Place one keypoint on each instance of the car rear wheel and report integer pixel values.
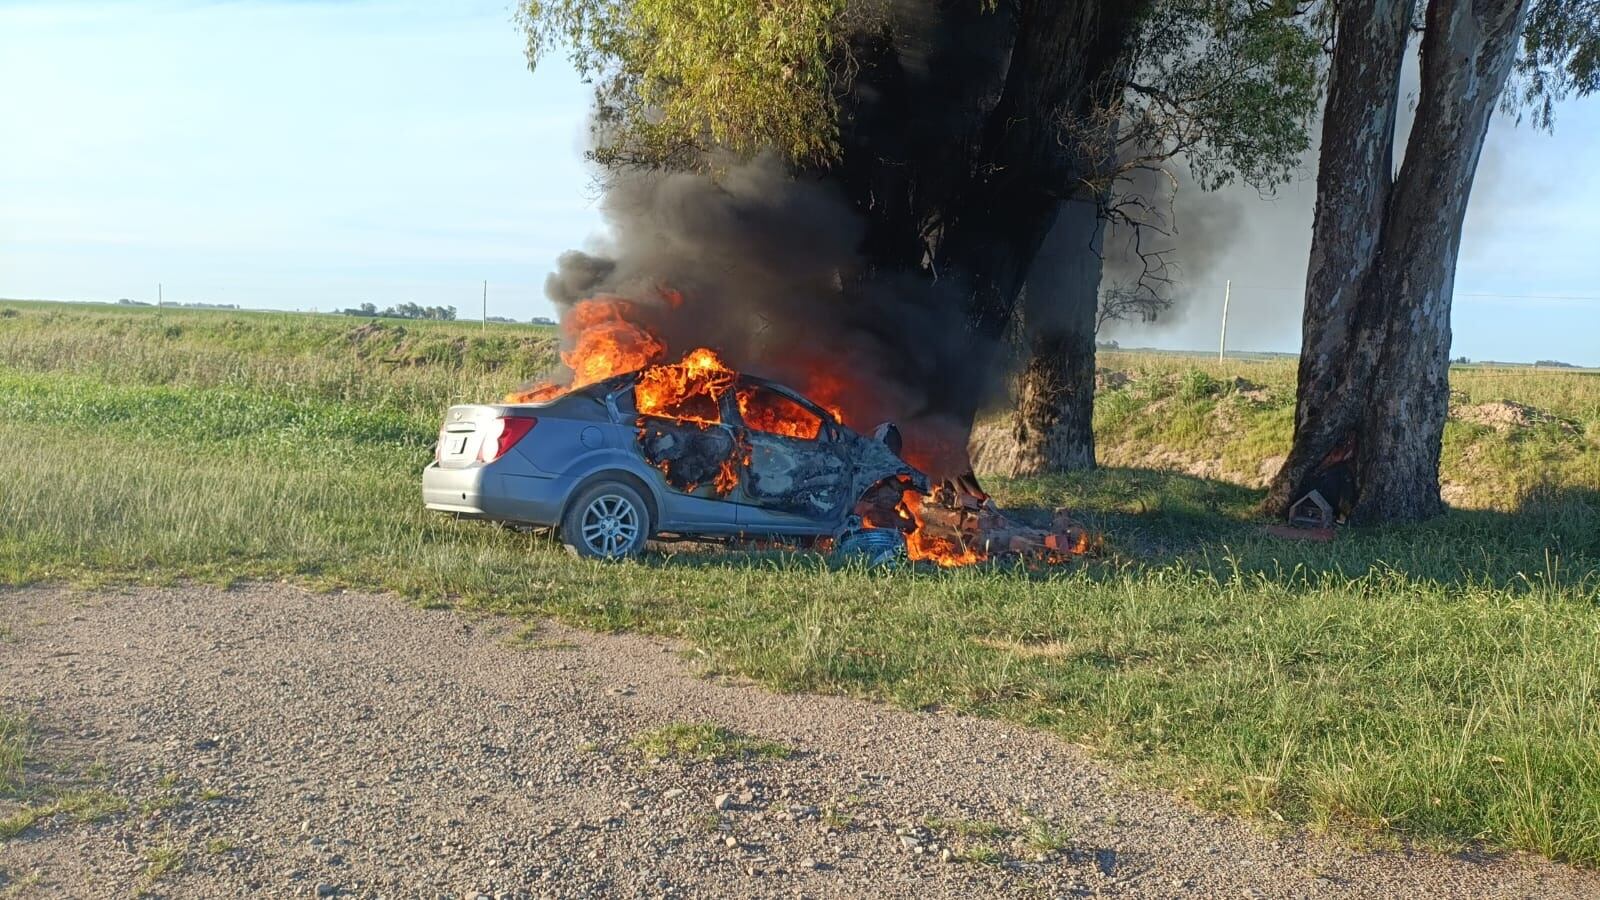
(608, 520)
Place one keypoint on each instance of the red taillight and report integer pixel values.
(502, 434)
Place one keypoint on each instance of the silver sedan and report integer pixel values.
(609, 479)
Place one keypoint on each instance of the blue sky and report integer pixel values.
(307, 155)
(285, 154)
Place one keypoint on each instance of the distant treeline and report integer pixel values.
(1538, 364)
(536, 320)
(126, 302)
(441, 313)
(405, 311)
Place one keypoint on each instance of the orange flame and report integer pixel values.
(920, 545)
(828, 390)
(689, 390)
(727, 476)
(605, 342)
(773, 413)
(539, 393)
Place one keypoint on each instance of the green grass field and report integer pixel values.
(1437, 682)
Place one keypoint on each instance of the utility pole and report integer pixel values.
(158, 296)
(1227, 292)
(486, 307)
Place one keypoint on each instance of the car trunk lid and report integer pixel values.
(465, 430)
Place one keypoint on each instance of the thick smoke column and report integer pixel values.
(769, 275)
(1259, 241)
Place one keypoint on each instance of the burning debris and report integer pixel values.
(782, 459)
(954, 526)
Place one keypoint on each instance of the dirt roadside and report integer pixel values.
(274, 742)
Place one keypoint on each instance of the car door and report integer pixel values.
(697, 462)
(796, 475)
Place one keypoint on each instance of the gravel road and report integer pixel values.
(273, 742)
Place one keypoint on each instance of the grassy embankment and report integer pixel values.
(1439, 681)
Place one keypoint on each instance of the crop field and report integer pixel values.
(1437, 683)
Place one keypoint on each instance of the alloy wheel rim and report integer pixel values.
(610, 525)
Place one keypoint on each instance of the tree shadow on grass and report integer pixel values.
(1551, 537)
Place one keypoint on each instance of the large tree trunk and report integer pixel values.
(1052, 429)
(1354, 178)
(1067, 61)
(1375, 359)
(965, 190)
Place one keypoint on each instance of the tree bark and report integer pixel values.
(1354, 177)
(1068, 59)
(958, 147)
(1467, 51)
(1374, 363)
(1052, 429)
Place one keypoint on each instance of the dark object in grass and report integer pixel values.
(877, 546)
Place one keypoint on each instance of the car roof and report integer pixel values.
(616, 382)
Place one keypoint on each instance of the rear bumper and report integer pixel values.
(483, 492)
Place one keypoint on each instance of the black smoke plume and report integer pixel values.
(770, 275)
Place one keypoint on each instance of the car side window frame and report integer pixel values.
(727, 407)
(611, 401)
(827, 431)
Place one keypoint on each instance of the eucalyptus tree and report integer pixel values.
(1374, 364)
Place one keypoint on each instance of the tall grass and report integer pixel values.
(413, 366)
(1436, 681)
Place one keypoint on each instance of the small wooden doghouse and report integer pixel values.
(1311, 511)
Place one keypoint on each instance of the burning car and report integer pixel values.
(686, 449)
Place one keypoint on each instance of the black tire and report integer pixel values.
(607, 520)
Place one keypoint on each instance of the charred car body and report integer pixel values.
(754, 459)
